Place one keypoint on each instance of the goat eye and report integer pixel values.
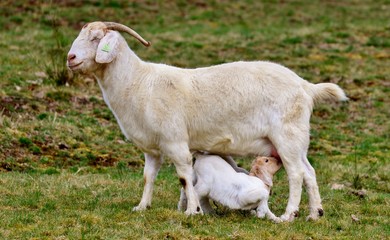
(94, 39)
(266, 160)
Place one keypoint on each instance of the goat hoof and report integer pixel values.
(296, 214)
(277, 220)
(140, 208)
(261, 213)
(312, 217)
(320, 212)
(315, 215)
(189, 212)
(288, 217)
(253, 212)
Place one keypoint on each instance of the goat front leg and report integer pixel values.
(152, 166)
(263, 210)
(181, 157)
(203, 200)
(202, 190)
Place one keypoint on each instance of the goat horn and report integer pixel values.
(123, 28)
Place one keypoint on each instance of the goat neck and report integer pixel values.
(265, 177)
(121, 70)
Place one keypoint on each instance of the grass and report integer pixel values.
(68, 173)
(84, 205)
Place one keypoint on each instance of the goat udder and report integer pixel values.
(274, 153)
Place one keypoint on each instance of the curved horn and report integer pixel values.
(123, 28)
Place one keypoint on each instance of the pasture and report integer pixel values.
(66, 171)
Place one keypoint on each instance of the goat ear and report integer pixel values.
(107, 48)
(260, 173)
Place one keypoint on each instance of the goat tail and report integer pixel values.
(325, 91)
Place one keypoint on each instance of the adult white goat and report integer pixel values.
(240, 108)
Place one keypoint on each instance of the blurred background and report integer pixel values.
(51, 118)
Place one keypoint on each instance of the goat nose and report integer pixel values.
(71, 56)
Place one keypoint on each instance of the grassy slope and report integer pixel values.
(63, 156)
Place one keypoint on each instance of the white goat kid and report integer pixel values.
(215, 179)
(241, 108)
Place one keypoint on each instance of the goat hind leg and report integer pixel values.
(311, 185)
(290, 153)
(295, 180)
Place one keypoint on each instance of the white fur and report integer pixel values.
(240, 108)
(216, 179)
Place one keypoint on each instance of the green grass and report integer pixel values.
(66, 171)
(87, 205)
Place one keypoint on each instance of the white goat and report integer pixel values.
(241, 108)
(215, 179)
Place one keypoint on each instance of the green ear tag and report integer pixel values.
(106, 48)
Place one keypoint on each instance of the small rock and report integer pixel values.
(63, 146)
(41, 74)
(360, 193)
(354, 218)
(337, 186)
(38, 81)
(40, 94)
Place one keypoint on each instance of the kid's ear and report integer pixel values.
(107, 48)
(260, 173)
